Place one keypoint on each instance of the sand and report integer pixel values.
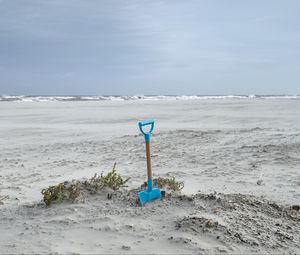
(239, 160)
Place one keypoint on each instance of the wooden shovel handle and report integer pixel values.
(149, 170)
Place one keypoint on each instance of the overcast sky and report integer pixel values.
(105, 47)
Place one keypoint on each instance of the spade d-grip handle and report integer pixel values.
(144, 123)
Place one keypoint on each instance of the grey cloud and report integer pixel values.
(149, 47)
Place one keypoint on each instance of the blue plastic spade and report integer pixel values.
(150, 193)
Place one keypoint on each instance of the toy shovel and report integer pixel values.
(150, 193)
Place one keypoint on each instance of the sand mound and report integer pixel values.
(206, 223)
(242, 220)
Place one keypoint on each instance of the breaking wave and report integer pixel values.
(6, 98)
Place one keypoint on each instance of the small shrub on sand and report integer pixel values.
(54, 194)
(57, 193)
(111, 180)
(73, 191)
(166, 183)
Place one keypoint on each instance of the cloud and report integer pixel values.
(140, 42)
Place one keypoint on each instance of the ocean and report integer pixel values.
(40, 98)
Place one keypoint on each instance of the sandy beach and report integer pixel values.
(238, 158)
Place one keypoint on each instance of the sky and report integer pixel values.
(149, 47)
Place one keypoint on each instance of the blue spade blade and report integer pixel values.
(147, 196)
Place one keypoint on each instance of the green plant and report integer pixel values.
(111, 180)
(57, 193)
(74, 191)
(167, 183)
(54, 193)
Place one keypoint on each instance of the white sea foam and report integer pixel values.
(22, 98)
